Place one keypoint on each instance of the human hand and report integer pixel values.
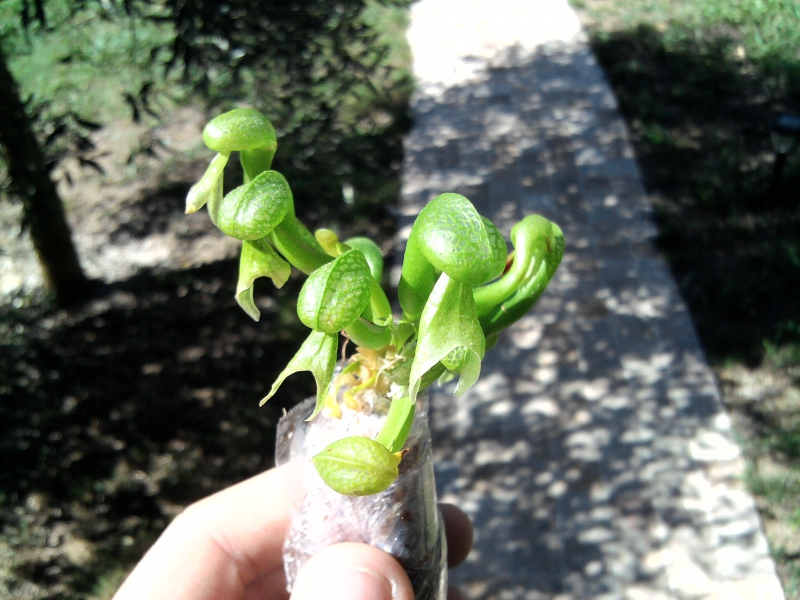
(229, 546)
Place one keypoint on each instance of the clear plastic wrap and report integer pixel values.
(403, 520)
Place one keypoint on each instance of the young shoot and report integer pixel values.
(459, 288)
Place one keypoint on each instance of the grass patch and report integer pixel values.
(698, 81)
(87, 62)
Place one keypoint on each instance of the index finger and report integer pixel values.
(458, 529)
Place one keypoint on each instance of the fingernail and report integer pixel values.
(346, 583)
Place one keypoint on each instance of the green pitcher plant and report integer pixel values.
(459, 287)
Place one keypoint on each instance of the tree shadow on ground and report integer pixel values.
(699, 120)
(155, 212)
(118, 414)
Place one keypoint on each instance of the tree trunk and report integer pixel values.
(43, 211)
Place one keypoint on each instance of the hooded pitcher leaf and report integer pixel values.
(448, 323)
(449, 236)
(371, 252)
(458, 241)
(336, 294)
(253, 210)
(240, 129)
(534, 282)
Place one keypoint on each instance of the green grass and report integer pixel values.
(778, 492)
(767, 27)
(84, 63)
(698, 81)
(764, 31)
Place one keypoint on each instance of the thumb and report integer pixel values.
(351, 571)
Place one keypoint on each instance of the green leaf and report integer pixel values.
(298, 246)
(400, 373)
(368, 335)
(318, 355)
(417, 279)
(371, 252)
(253, 210)
(449, 322)
(297, 230)
(258, 259)
(214, 202)
(357, 466)
(395, 430)
(239, 129)
(203, 191)
(329, 240)
(336, 294)
(403, 332)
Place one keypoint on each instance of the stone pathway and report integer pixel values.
(594, 456)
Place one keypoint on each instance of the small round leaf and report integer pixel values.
(357, 466)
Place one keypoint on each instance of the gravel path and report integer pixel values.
(594, 456)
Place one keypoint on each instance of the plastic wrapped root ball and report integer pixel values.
(403, 520)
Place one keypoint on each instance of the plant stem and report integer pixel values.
(527, 294)
(255, 162)
(369, 335)
(488, 296)
(395, 430)
(290, 243)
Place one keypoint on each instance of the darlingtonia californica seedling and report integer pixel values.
(459, 288)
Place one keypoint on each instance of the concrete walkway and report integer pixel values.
(594, 456)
